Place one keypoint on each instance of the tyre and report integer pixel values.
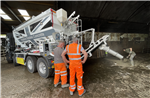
(31, 64)
(9, 59)
(42, 68)
(14, 60)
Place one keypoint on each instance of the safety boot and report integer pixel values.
(82, 93)
(71, 93)
(65, 85)
(57, 84)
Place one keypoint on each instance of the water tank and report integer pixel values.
(61, 15)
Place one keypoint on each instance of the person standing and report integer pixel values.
(131, 54)
(75, 65)
(60, 66)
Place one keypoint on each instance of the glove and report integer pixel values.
(127, 57)
(67, 66)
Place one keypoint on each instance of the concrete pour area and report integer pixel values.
(103, 78)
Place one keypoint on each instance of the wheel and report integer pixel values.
(9, 59)
(42, 68)
(31, 64)
(14, 60)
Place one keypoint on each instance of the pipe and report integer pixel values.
(71, 15)
(75, 19)
(107, 49)
(7, 6)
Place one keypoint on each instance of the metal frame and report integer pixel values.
(69, 28)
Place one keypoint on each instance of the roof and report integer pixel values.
(104, 16)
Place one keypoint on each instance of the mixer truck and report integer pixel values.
(36, 39)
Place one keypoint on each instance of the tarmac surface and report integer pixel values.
(106, 77)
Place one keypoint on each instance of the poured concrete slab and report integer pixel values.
(103, 78)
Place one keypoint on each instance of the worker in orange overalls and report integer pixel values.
(75, 65)
(60, 66)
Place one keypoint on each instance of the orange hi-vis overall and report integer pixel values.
(75, 67)
(60, 69)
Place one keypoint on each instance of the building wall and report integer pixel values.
(118, 41)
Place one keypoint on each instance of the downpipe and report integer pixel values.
(107, 49)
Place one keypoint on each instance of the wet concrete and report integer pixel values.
(103, 78)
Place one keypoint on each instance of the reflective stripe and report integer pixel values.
(57, 73)
(64, 75)
(73, 53)
(78, 49)
(72, 85)
(79, 86)
(73, 88)
(75, 58)
(57, 70)
(63, 71)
